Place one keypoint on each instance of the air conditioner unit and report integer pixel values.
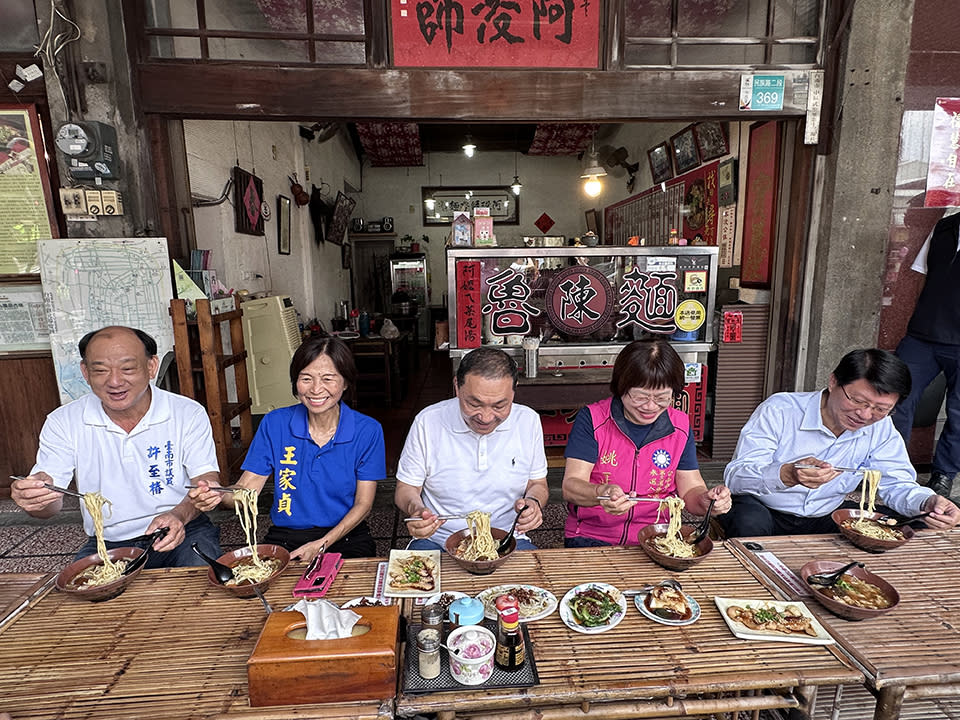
(271, 337)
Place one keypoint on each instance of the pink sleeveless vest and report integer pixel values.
(650, 471)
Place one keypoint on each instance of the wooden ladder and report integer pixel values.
(201, 368)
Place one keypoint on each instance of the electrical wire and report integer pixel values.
(52, 45)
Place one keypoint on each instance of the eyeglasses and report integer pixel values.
(663, 400)
(876, 410)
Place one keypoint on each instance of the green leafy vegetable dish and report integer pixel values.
(593, 607)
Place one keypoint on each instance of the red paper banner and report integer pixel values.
(700, 196)
(732, 326)
(469, 317)
(760, 205)
(496, 33)
(943, 176)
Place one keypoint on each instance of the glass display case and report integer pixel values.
(409, 290)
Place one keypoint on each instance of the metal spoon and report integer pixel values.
(704, 526)
(831, 578)
(893, 522)
(266, 605)
(505, 543)
(670, 582)
(142, 560)
(221, 572)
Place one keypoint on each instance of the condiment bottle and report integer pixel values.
(431, 616)
(674, 238)
(428, 653)
(506, 601)
(511, 651)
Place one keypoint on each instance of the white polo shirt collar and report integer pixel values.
(95, 415)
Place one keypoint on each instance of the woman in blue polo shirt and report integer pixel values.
(325, 459)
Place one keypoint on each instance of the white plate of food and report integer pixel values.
(413, 573)
(668, 606)
(772, 620)
(593, 607)
(535, 602)
(445, 599)
(365, 601)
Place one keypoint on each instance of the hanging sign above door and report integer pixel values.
(452, 33)
(762, 92)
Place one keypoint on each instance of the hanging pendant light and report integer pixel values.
(515, 185)
(592, 174)
(429, 202)
(469, 147)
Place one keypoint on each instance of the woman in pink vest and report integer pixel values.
(633, 444)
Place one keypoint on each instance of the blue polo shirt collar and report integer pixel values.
(346, 426)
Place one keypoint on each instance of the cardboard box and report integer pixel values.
(283, 670)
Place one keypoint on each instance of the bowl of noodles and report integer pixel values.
(862, 529)
(475, 547)
(89, 578)
(251, 571)
(858, 595)
(673, 553)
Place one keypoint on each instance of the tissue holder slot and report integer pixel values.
(286, 671)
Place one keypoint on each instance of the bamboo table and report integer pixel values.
(19, 590)
(639, 669)
(911, 652)
(171, 646)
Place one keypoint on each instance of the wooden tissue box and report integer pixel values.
(284, 670)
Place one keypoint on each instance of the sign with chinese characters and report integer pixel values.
(496, 33)
(732, 331)
(761, 92)
(469, 317)
(693, 401)
(508, 304)
(943, 176)
(579, 300)
(649, 299)
(690, 315)
(695, 281)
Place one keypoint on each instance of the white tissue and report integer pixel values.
(325, 621)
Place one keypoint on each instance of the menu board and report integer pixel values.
(26, 209)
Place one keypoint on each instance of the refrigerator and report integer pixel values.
(408, 279)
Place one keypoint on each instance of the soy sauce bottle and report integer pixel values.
(511, 651)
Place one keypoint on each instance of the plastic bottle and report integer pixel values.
(364, 323)
(511, 650)
(355, 320)
(674, 238)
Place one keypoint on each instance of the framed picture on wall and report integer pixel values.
(283, 225)
(661, 166)
(685, 154)
(342, 210)
(247, 201)
(711, 140)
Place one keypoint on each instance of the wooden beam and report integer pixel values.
(235, 90)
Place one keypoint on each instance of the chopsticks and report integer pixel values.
(802, 466)
(439, 517)
(215, 488)
(48, 486)
(635, 499)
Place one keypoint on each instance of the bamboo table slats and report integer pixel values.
(171, 646)
(911, 652)
(19, 590)
(639, 668)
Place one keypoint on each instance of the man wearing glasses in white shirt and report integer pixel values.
(845, 425)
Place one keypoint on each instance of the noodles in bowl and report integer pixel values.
(857, 596)
(462, 539)
(861, 528)
(672, 543)
(254, 566)
(650, 533)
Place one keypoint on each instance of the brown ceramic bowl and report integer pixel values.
(863, 542)
(650, 532)
(480, 567)
(232, 559)
(96, 593)
(849, 612)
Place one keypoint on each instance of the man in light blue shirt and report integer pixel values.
(845, 425)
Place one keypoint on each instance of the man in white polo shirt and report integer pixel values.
(137, 445)
(477, 451)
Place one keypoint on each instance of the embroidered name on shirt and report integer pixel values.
(154, 477)
(609, 459)
(285, 480)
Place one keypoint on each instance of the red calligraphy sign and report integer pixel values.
(496, 33)
(943, 175)
(760, 204)
(469, 317)
(732, 326)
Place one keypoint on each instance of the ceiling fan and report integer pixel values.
(615, 162)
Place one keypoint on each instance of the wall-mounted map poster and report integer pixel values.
(26, 207)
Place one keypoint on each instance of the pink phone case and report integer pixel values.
(316, 580)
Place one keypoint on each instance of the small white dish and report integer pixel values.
(566, 614)
(641, 602)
